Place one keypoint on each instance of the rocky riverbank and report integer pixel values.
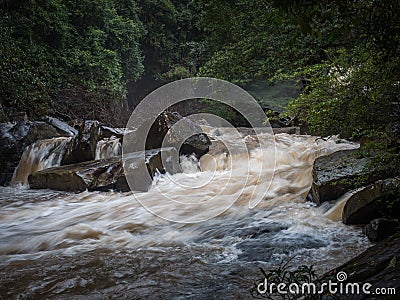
(367, 202)
(378, 266)
(90, 158)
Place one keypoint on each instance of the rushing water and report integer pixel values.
(108, 148)
(39, 156)
(58, 245)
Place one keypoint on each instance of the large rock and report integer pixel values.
(62, 128)
(107, 132)
(378, 266)
(14, 138)
(374, 201)
(106, 174)
(380, 229)
(83, 146)
(336, 174)
(187, 136)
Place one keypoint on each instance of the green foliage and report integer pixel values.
(343, 53)
(252, 40)
(22, 73)
(283, 274)
(173, 44)
(49, 46)
(343, 95)
(226, 112)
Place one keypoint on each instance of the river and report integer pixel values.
(106, 245)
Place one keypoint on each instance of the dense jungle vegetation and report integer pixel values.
(84, 59)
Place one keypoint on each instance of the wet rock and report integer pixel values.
(379, 266)
(105, 174)
(62, 128)
(83, 146)
(336, 174)
(380, 229)
(30, 132)
(14, 137)
(246, 131)
(187, 136)
(107, 132)
(288, 130)
(372, 202)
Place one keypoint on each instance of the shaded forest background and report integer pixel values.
(90, 58)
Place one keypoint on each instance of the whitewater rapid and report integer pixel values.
(141, 254)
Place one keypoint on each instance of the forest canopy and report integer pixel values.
(84, 59)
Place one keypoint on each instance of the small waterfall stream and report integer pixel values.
(108, 148)
(41, 155)
(48, 153)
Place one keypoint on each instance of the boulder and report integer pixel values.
(378, 266)
(62, 128)
(380, 229)
(83, 146)
(107, 132)
(29, 132)
(373, 201)
(106, 174)
(336, 174)
(14, 138)
(187, 136)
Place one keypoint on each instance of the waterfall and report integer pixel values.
(39, 156)
(335, 212)
(48, 153)
(108, 148)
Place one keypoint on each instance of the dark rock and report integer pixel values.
(379, 266)
(196, 144)
(105, 174)
(380, 229)
(186, 136)
(335, 174)
(107, 132)
(288, 130)
(83, 146)
(62, 128)
(14, 138)
(369, 203)
(38, 131)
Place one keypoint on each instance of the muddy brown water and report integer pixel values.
(57, 245)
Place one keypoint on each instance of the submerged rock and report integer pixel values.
(335, 174)
(106, 174)
(372, 202)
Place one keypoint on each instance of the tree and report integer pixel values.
(59, 53)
